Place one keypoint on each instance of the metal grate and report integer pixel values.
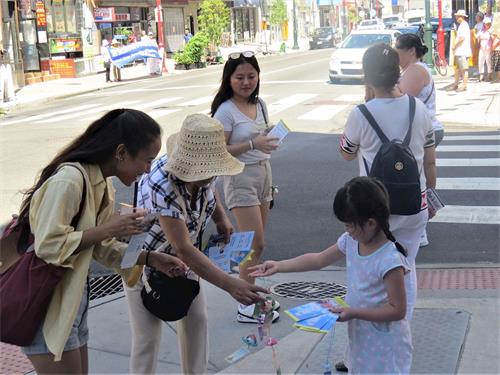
(106, 285)
(308, 290)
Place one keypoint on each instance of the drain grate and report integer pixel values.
(106, 285)
(308, 290)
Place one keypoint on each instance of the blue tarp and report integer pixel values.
(329, 2)
(135, 51)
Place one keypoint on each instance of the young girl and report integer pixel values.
(379, 333)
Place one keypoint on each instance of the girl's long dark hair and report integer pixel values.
(364, 198)
(225, 91)
(130, 127)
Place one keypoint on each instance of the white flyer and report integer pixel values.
(136, 243)
(280, 131)
(433, 200)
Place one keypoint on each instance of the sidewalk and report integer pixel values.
(455, 328)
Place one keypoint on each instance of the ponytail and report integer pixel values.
(391, 238)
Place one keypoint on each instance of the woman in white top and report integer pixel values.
(244, 116)
(390, 109)
(416, 78)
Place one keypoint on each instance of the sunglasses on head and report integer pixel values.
(237, 55)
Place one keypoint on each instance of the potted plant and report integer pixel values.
(194, 52)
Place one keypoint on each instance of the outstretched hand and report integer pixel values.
(245, 292)
(345, 313)
(168, 264)
(268, 268)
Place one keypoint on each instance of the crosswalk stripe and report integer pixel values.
(489, 162)
(468, 215)
(355, 98)
(80, 114)
(468, 148)
(195, 102)
(322, 112)
(51, 114)
(470, 183)
(287, 102)
(157, 113)
(154, 103)
(490, 137)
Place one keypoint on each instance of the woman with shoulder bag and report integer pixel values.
(122, 143)
(245, 119)
(180, 189)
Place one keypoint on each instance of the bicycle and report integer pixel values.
(441, 64)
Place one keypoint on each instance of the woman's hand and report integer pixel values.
(345, 313)
(123, 225)
(224, 227)
(265, 144)
(268, 268)
(245, 292)
(167, 264)
(432, 212)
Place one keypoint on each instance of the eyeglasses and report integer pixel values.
(237, 55)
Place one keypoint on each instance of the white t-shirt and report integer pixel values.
(392, 115)
(463, 49)
(243, 128)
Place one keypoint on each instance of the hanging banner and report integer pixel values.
(144, 49)
(41, 16)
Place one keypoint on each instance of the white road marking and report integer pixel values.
(491, 162)
(468, 215)
(493, 137)
(51, 114)
(355, 98)
(468, 183)
(155, 103)
(81, 114)
(322, 112)
(198, 101)
(157, 113)
(468, 148)
(288, 102)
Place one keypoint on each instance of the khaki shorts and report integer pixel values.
(252, 187)
(462, 62)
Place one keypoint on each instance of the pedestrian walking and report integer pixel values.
(484, 42)
(117, 73)
(495, 55)
(122, 143)
(187, 36)
(106, 57)
(378, 331)
(389, 108)
(462, 50)
(245, 119)
(181, 189)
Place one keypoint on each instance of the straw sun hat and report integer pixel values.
(198, 151)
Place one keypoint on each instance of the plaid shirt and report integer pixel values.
(157, 194)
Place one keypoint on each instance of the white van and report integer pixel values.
(373, 24)
(393, 20)
(415, 17)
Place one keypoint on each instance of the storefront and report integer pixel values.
(245, 14)
(124, 24)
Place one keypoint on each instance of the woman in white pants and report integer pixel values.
(180, 188)
(484, 40)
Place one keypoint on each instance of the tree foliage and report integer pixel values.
(278, 14)
(213, 20)
(194, 50)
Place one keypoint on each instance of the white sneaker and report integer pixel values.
(245, 314)
(423, 239)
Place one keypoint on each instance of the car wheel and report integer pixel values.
(334, 80)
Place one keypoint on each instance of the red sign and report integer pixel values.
(41, 16)
(104, 14)
(122, 17)
(65, 68)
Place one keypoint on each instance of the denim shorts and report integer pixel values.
(78, 337)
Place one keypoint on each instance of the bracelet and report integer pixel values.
(147, 258)
(250, 142)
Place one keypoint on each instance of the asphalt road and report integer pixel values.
(307, 168)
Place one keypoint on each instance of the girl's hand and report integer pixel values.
(123, 225)
(225, 227)
(432, 212)
(345, 313)
(167, 264)
(265, 144)
(268, 268)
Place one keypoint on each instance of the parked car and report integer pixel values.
(373, 24)
(408, 30)
(324, 37)
(345, 62)
(393, 21)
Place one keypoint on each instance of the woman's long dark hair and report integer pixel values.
(225, 91)
(408, 41)
(130, 127)
(381, 66)
(364, 198)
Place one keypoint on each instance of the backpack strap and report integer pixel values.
(407, 139)
(263, 112)
(373, 123)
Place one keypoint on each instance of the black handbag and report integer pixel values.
(169, 298)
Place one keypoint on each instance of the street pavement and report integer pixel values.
(458, 272)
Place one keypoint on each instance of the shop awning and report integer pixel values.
(246, 3)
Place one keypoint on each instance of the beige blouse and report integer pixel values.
(52, 209)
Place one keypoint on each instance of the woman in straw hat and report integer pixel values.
(180, 187)
(248, 195)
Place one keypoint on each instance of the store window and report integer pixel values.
(61, 16)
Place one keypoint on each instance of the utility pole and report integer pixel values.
(295, 30)
(161, 36)
(428, 35)
(440, 31)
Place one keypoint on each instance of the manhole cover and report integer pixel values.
(308, 290)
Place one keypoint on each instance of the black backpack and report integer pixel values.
(395, 166)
